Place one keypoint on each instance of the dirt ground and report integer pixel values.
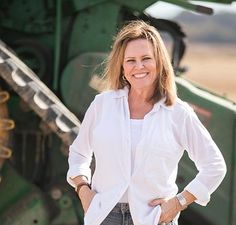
(213, 67)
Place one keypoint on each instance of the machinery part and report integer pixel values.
(5, 153)
(5, 126)
(36, 56)
(29, 205)
(80, 71)
(191, 6)
(40, 98)
(35, 20)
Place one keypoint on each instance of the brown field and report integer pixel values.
(213, 67)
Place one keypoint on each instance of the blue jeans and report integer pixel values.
(120, 215)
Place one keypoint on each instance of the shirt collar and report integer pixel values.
(125, 91)
(161, 103)
(121, 92)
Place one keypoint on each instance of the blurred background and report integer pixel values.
(211, 54)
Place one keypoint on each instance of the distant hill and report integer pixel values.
(219, 28)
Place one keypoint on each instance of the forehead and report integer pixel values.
(139, 47)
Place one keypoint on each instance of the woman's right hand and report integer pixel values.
(86, 196)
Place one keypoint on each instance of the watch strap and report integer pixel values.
(78, 187)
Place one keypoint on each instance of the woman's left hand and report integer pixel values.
(169, 208)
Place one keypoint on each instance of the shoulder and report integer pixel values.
(107, 97)
(182, 105)
(106, 94)
(111, 94)
(182, 108)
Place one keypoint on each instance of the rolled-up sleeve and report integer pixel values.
(207, 157)
(80, 151)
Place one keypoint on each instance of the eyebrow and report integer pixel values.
(131, 57)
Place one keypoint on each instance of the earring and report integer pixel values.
(124, 78)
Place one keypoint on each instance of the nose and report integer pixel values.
(139, 64)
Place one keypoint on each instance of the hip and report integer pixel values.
(120, 215)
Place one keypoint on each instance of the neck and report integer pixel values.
(140, 95)
(139, 103)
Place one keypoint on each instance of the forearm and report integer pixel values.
(81, 185)
(84, 192)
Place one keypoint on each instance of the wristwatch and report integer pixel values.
(182, 200)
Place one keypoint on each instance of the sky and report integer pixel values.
(167, 11)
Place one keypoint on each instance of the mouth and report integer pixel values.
(140, 75)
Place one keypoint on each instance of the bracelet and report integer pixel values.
(80, 185)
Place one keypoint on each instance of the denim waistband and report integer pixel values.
(124, 208)
(121, 207)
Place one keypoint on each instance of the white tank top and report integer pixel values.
(136, 131)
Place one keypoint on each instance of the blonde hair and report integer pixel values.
(165, 85)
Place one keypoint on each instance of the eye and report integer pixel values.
(130, 60)
(146, 58)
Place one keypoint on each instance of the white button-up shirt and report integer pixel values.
(167, 132)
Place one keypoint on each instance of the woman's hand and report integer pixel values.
(169, 208)
(86, 196)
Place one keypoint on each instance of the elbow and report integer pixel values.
(221, 167)
(224, 170)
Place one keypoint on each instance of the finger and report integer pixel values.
(155, 202)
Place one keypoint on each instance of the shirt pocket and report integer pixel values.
(160, 167)
(162, 159)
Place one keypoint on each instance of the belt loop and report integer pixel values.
(124, 207)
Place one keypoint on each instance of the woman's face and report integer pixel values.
(139, 65)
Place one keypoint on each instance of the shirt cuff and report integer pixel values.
(75, 171)
(200, 191)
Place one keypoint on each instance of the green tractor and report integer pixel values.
(65, 43)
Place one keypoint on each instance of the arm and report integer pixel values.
(207, 157)
(84, 192)
(80, 157)
(209, 161)
(80, 151)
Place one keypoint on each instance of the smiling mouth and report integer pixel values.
(140, 75)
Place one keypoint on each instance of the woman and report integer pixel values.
(138, 132)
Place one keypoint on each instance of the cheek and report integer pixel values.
(127, 69)
(154, 72)
(152, 66)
